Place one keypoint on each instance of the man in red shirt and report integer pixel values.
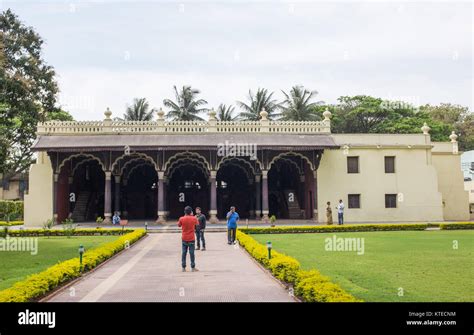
(188, 222)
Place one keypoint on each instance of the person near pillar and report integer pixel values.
(200, 230)
(232, 219)
(188, 224)
(329, 213)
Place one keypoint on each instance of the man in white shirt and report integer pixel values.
(340, 212)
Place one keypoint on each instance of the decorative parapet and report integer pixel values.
(109, 126)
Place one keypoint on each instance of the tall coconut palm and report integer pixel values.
(187, 106)
(261, 100)
(225, 113)
(297, 105)
(138, 111)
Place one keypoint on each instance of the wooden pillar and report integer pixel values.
(161, 208)
(265, 207)
(258, 196)
(108, 198)
(315, 195)
(55, 198)
(213, 204)
(117, 194)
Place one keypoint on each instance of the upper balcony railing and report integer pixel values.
(109, 126)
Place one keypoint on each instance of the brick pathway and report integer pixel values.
(151, 271)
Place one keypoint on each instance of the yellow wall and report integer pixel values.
(39, 200)
(451, 182)
(415, 178)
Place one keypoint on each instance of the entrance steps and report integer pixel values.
(294, 210)
(80, 209)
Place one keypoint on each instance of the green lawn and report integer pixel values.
(16, 265)
(422, 263)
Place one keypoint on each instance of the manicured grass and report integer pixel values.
(423, 263)
(17, 265)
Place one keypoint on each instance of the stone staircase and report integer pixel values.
(80, 209)
(294, 209)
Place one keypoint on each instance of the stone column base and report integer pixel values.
(315, 215)
(265, 218)
(55, 219)
(213, 217)
(161, 217)
(107, 218)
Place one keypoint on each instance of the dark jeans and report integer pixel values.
(340, 218)
(186, 246)
(200, 238)
(231, 234)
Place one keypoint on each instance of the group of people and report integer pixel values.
(192, 235)
(340, 213)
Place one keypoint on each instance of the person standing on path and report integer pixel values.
(340, 212)
(200, 230)
(188, 224)
(329, 213)
(232, 219)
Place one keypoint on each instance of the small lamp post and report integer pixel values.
(81, 252)
(269, 247)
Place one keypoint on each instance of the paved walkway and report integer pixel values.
(151, 271)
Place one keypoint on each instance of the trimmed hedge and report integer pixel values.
(456, 225)
(11, 223)
(336, 228)
(61, 232)
(310, 286)
(39, 284)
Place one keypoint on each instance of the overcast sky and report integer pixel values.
(108, 52)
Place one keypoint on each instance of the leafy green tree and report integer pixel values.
(258, 101)
(27, 87)
(297, 105)
(226, 113)
(139, 111)
(459, 118)
(186, 105)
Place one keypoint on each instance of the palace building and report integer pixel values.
(152, 170)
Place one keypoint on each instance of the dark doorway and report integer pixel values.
(234, 189)
(142, 193)
(188, 186)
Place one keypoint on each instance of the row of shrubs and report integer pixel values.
(357, 228)
(456, 225)
(37, 285)
(11, 210)
(63, 232)
(335, 228)
(310, 286)
(11, 223)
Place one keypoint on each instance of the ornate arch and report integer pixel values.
(249, 172)
(290, 153)
(181, 161)
(90, 156)
(246, 162)
(291, 162)
(133, 155)
(187, 154)
(181, 164)
(137, 159)
(132, 169)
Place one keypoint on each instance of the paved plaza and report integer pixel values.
(150, 271)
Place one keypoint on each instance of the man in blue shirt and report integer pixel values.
(232, 219)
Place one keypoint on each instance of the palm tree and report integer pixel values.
(225, 113)
(297, 105)
(261, 100)
(139, 111)
(187, 106)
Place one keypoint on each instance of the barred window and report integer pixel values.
(390, 201)
(354, 200)
(353, 164)
(389, 164)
